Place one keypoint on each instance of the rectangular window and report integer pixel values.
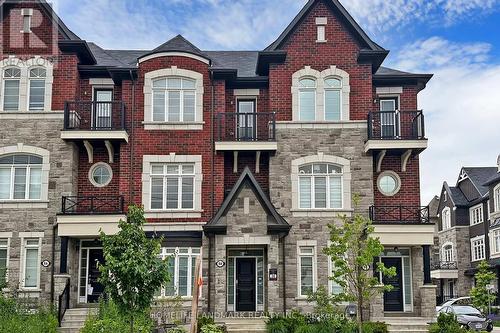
(320, 192)
(31, 265)
(174, 99)
(476, 214)
(496, 241)
(20, 182)
(332, 105)
(477, 248)
(11, 95)
(182, 262)
(307, 107)
(321, 33)
(307, 262)
(4, 251)
(172, 186)
(37, 94)
(446, 218)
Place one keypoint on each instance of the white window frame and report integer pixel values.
(478, 242)
(166, 95)
(2, 92)
(25, 236)
(309, 89)
(496, 197)
(25, 66)
(30, 79)
(331, 72)
(476, 214)
(165, 253)
(6, 236)
(28, 167)
(346, 186)
(306, 244)
(494, 234)
(173, 71)
(448, 255)
(27, 14)
(179, 176)
(339, 89)
(148, 160)
(446, 218)
(29, 203)
(313, 176)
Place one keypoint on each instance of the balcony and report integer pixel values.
(245, 131)
(90, 120)
(399, 131)
(402, 225)
(85, 216)
(444, 270)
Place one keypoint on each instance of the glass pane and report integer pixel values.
(38, 72)
(83, 273)
(7, 160)
(333, 83)
(21, 159)
(158, 106)
(307, 102)
(3, 265)
(305, 169)
(306, 275)
(170, 285)
(188, 84)
(187, 192)
(174, 106)
(188, 169)
(193, 276)
(37, 94)
(332, 105)
(20, 183)
(334, 169)
(183, 276)
(172, 169)
(172, 193)
(35, 183)
(11, 95)
(189, 106)
(407, 279)
(156, 193)
(101, 175)
(307, 83)
(320, 168)
(5, 183)
(157, 169)
(387, 184)
(161, 83)
(260, 281)
(174, 83)
(35, 160)
(387, 105)
(320, 192)
(230, 280)
(305, 192)
(31, 268)
(335, 192)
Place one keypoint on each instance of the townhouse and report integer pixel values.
(466, 231)
(241, 157)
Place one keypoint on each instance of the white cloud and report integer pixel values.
(461, 108)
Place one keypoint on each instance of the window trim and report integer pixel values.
(24, 84)
(472, 247)
(394, 175)
(91, 174)
(24, 237)
(146, 186)
(29, 203)
(492, 235)
(179, 177)
(443, 255)
(300, 244)
(496, 198)
(346, 186)
(166, 94)
(149, 77)
(448, 225)
(326, 89)
(6, 236)
(481, 214)
(308, 72)
(30, 79)
(327, 176)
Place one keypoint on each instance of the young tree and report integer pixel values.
(132, 270)
(481, 297)
(353, 251)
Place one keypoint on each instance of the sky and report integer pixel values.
(456, 40)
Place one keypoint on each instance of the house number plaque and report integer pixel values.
(220, 263)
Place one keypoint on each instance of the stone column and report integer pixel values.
(428, 300)
(60, 281)
(377, 305)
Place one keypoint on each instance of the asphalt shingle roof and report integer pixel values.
(479, 176)
(458, 197)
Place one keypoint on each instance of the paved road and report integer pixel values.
(496, 330)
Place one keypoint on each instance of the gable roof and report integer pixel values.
(178, 44)
(455, 194)
(342, 13)
(276, 223)
(479, 176)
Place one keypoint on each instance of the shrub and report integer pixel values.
(285, 324)
(212, 328)
(446, 323)
(204, 320)
(375, 327)
(109, 319)
(15, 318)
(178, 329)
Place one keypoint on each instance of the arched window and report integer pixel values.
(37, 78)
(307, 99)
(320, 186)
(11, 84)
(333, 99)
(446, 218)
(174, 99)
(447, 253)
(21, 177)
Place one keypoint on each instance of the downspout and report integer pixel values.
(283, 273)
(132, 124)
(212, 197)
(52, 284)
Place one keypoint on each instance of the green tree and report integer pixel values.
(353, 251)
(481, 297)
(133, 270)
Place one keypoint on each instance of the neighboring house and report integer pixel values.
(463, 231)
(242, 157)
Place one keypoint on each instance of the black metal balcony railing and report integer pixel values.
(259, 126)
(444, 265)
(81, 205)
(396, 125)
(400, 214)
(94, 116)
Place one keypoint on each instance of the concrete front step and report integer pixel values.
(244, 325)
(74, 319)
(407, 324)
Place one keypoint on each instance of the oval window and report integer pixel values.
(388, 183)
(100, 174)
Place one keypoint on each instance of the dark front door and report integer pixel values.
(94, 288)
(245, 284)
(393, 300)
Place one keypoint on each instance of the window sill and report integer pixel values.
(24, 204)
(188, 125)
(321, 212)
(152, 214)
(30, 290)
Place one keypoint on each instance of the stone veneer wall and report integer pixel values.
(42, 133)
(294, 143)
